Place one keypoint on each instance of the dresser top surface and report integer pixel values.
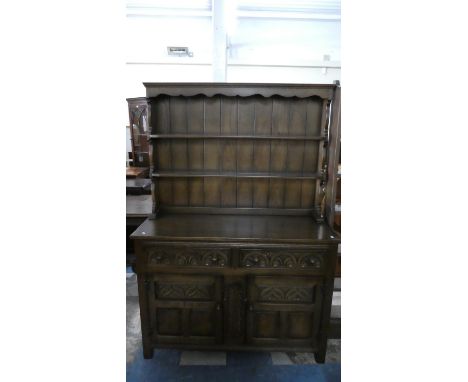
(251, 228)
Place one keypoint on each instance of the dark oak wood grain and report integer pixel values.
(188, 227)
(210, 89)
(255, 137)
(238, 253)
(333, 157)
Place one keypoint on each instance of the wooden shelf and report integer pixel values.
(216, 136)
(233, 174)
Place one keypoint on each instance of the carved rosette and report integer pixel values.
(276, 259)
(189, 257)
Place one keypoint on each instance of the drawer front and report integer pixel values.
(304, 259)
(185, 256)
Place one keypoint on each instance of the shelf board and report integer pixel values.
(217, 136)
(233, 174)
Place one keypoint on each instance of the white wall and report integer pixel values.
(282, 74)
(267, 42)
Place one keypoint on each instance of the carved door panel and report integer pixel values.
(283, 311)
(185, 309)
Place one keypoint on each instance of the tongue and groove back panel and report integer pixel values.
(239, 152)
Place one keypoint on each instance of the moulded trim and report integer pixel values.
(324, 91)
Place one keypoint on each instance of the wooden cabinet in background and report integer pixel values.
(139, 131)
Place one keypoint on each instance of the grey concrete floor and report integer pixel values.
(134, 335)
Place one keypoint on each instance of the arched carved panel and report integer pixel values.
(194, 257)
(281, 259)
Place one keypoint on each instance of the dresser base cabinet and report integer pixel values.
(243, 294)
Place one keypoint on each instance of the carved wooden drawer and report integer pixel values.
(186, 256)
(284, 258)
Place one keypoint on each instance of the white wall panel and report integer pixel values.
(281, 74)
(285, 40)
(147, 38)
(137, 74)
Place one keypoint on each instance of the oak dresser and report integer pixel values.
(238, 253)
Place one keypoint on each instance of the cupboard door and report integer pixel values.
(185, 309)
(283, 311)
